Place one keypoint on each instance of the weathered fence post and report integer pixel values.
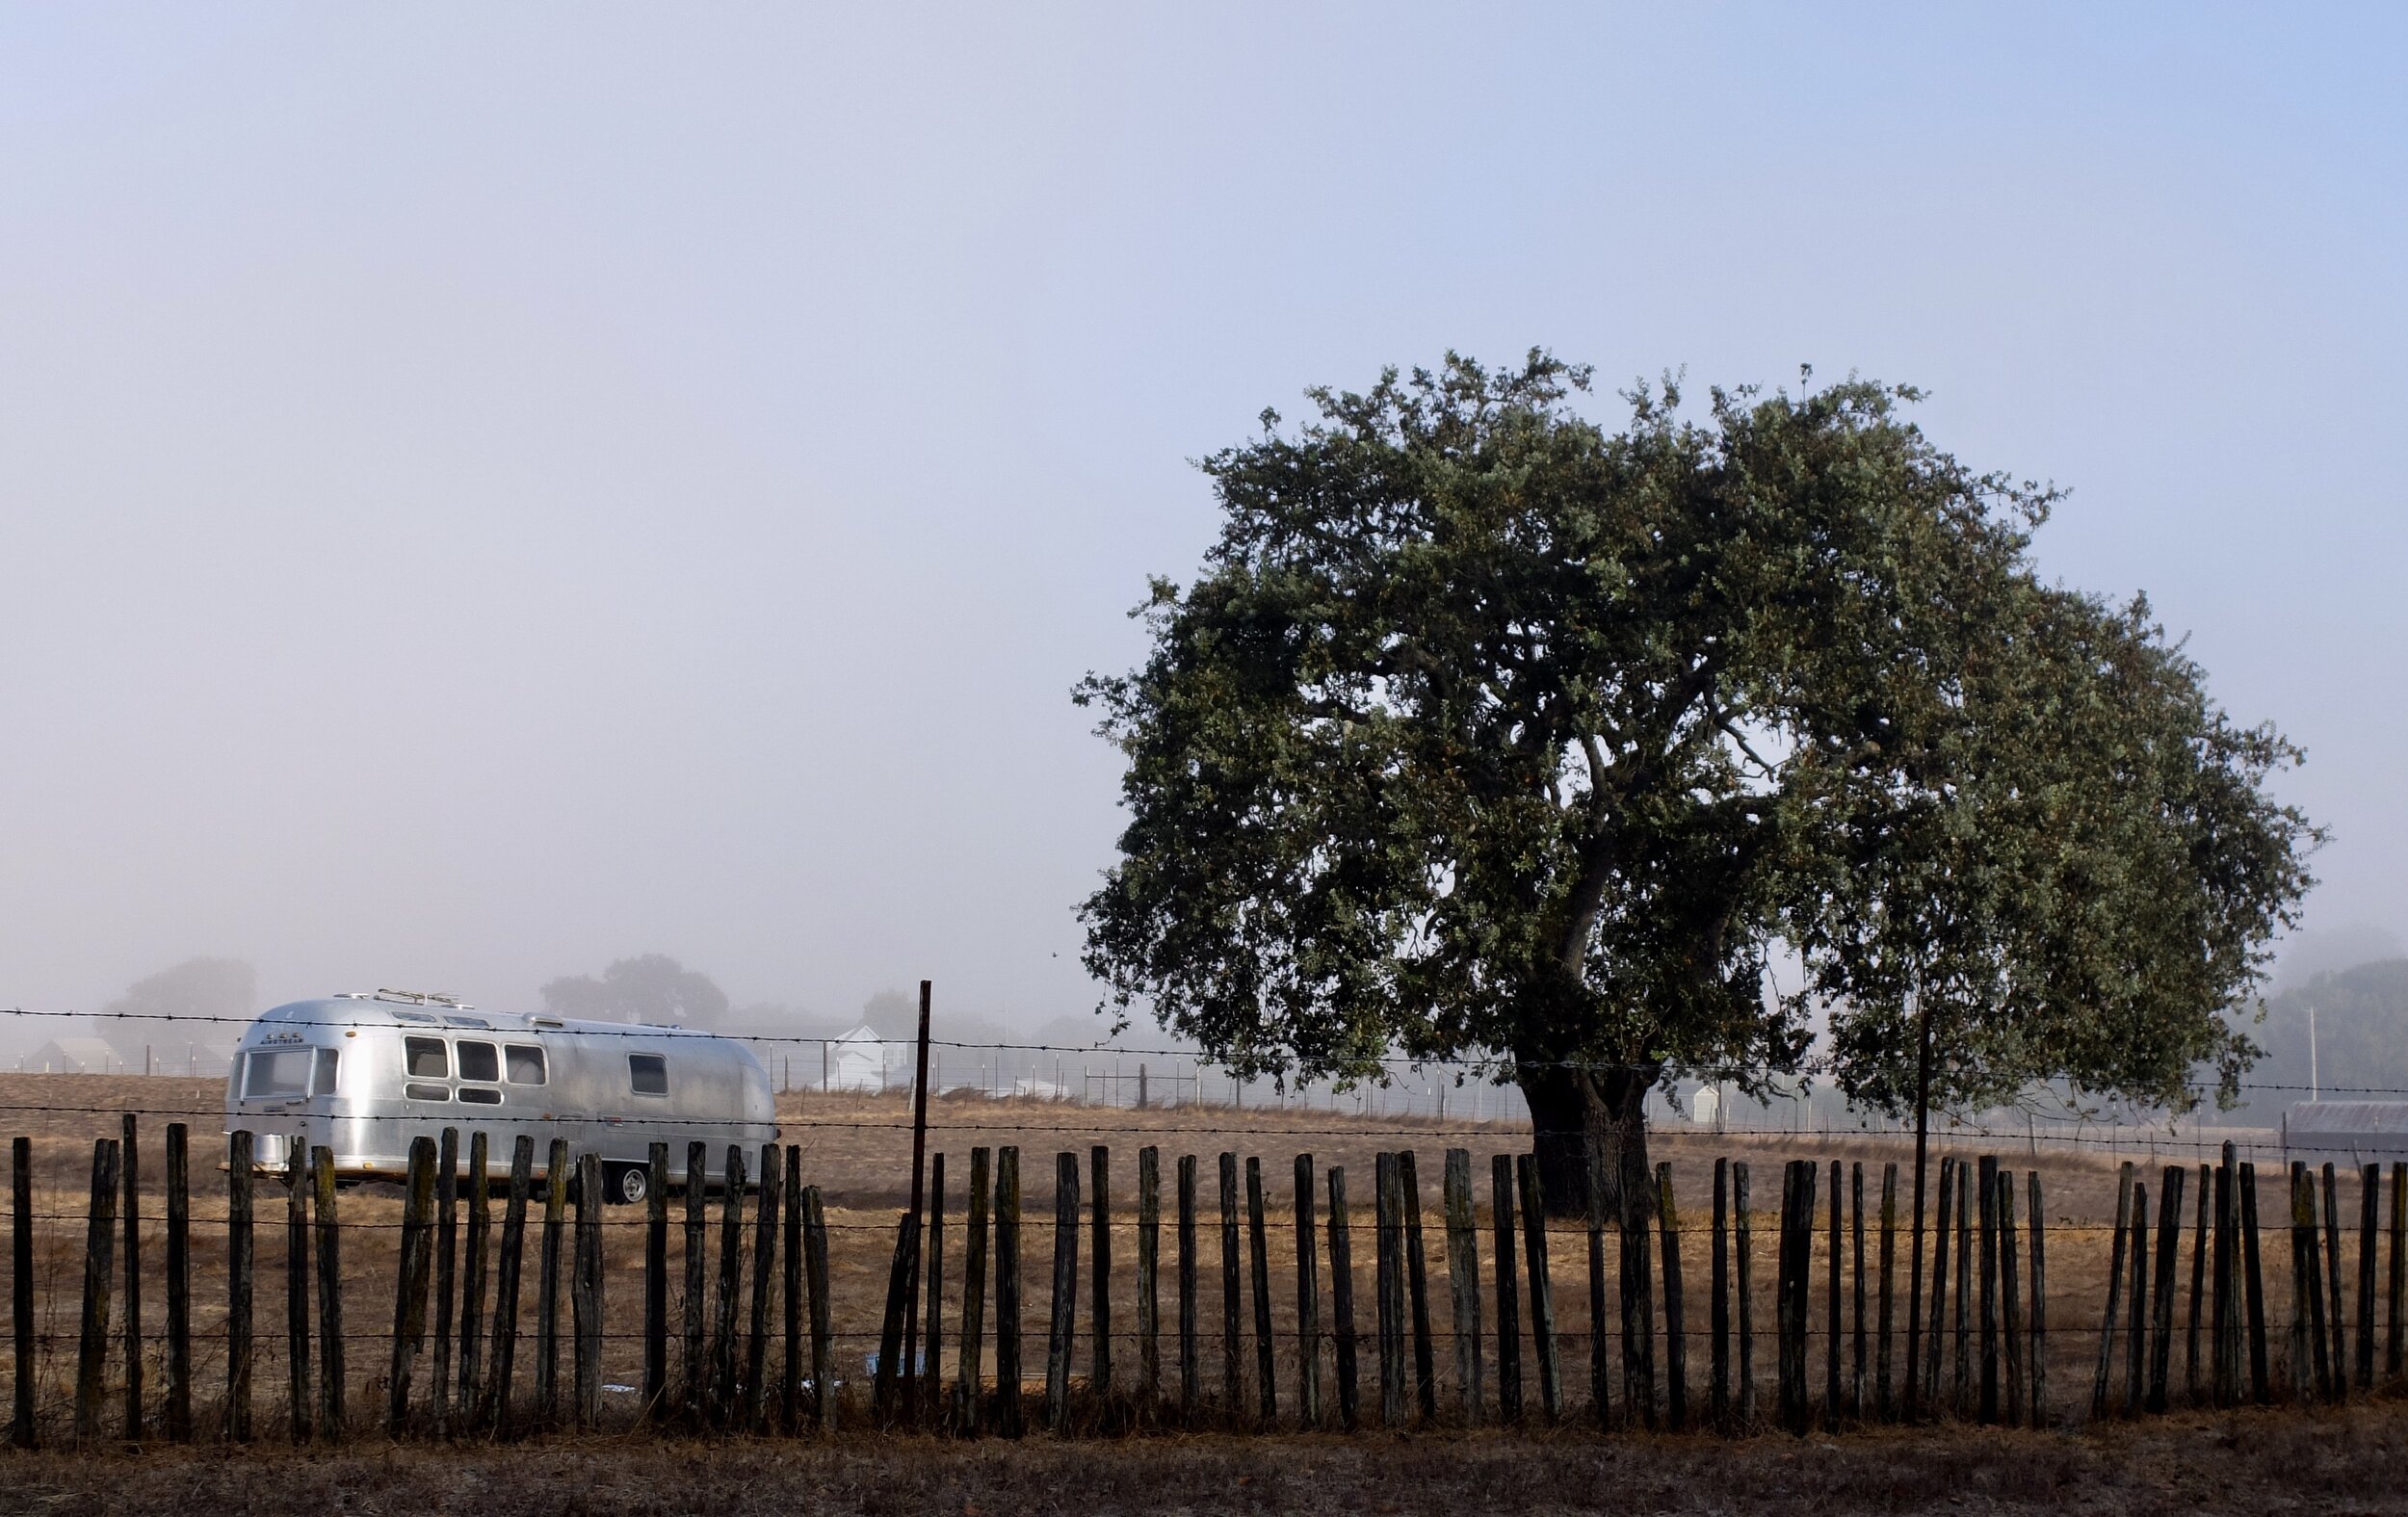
(1417, 1290)
(1789, 1292)
(446, 1272)
(2370, 1196)
(1963, 1380)
(765, 1280)
(239, 1243)
(91, 1358)
(1885, 1403)
(21, 1283)
(410, 1300)
(179, 1408)
(2226, 1356)
(1190, 1370)
(1542, 1287)
(1508, 1295)
(1342, 1301)
(2253, 1280)
(494, 1409)
(1856, 1400)
(655, 1286)
(933, 1340)
(2340, 1321)
(1831, 1409)
(790, 1380)
(2169, 1248)
(731, 1276)
(823, 1357)
(2316, 1319)
(333, 1379)
(2340, 1389)
(971, 1369)
(691, 1359)
(2039, 1305)
(1719, 1301)
(1743, 1286)
(1308, 1304)
(556, 1177)
(1232, 1390)
(1935, 1339)
(2114, 1292)
(1389, 1202)
(693, 1365)
(2302, 1278)
(1986, 1181)
(2010, 1309)
(2199, 1249)
(1064, 1320)
(2396, 1327)
(2140, 1315)
(586, 1292)
(296, 1286)
(1675, 1335)
(131, 1168)
(1463, 1282)
(1100, 1274)
(1149, 1278)
(901, 1273)
(1637, 1279)
(1600, 1357)
(472, 1275)
(1258, 1256)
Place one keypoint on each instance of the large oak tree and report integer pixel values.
(1488, 733)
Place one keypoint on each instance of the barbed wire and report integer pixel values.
(438, 1020)
(1555, 1229)
(1422, 1127)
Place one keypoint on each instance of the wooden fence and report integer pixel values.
(1862, 1331)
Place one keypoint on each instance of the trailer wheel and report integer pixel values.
(626, 1184)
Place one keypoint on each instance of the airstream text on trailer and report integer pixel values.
(362, 1075)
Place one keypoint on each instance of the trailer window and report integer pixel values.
(277, 1073)
(419, 1092)
(647, 1074)
(322, 1074)
(427, 1059)
(480, 1095)
(478, 1062)
(526, 1063)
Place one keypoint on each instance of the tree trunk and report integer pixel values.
(1603, 1107)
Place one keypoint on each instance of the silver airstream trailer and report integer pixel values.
(362, 1075)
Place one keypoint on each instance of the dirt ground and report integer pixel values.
(856, 1149)
(2325, 1463)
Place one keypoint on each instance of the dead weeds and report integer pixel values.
(2251, 1461)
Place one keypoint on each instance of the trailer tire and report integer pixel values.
(626, 1184)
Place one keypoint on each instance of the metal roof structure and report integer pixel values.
(2362, 1130)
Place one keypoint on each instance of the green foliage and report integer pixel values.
(2073, 870)
(1487, 731)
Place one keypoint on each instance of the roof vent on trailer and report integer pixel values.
(420, 998)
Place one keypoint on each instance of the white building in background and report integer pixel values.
(857, 1061)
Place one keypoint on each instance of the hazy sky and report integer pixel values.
(488, 490)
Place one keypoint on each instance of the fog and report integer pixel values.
(488, 495)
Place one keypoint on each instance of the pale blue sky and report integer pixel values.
(484, 492)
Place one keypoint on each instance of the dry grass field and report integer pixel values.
(857, 1150)
(2275, 1462)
